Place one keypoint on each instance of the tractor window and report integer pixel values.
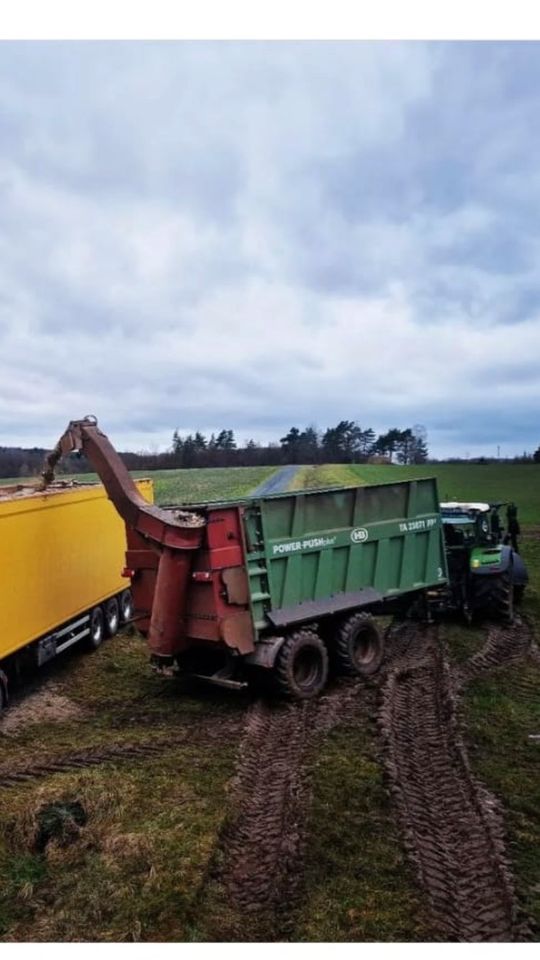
(453, 536)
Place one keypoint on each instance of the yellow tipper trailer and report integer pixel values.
(62, 552)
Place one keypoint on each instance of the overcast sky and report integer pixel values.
(256, 235)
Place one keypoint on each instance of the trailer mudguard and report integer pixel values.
(265, 652)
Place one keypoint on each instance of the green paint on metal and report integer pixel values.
(313, 545)
(486, 556)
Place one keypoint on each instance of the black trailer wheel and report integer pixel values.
(126, 605)
(359, 646)
(111, 610)
(97, 629)
(301, 669)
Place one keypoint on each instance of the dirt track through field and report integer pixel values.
(452, 825)
(262, 846)
(279, 482)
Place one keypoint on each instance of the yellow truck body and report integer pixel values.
(61, 553)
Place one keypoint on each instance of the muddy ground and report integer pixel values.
(250, 876)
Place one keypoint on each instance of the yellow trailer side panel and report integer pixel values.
(61, 552)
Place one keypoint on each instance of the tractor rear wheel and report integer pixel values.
(359, 646)
(503, 598)
(519, 590)
(301, 669)
(494, 596)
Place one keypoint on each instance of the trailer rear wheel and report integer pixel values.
(359, 646)
(301, 669)
(97, 629)
(111, 610)
(126, 605)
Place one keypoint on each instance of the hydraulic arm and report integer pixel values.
(174, 535)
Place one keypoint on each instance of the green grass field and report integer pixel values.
(189, 486)
(198, 486)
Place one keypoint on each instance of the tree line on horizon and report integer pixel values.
(346, 442)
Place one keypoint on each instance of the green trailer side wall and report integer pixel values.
(317, 545)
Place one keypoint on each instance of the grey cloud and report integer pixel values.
(251, 235)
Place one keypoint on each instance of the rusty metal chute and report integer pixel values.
(175, 535)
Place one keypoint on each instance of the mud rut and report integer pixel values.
(199, 734)
(261, 847)
(451, 825)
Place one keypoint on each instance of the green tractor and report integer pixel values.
(487, 574)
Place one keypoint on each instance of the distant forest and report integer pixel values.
(346, 442)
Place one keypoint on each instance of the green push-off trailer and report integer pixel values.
(321, 552)
(322, 563)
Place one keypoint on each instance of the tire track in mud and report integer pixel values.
(200, 735)
(452, 825)
(261, 847)
(81, 759)
(505, 646)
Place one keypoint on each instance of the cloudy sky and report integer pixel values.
(256, 235)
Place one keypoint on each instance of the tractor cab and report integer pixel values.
(471, 524)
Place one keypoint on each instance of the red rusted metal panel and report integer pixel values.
(215, 605)
(189, 578)
(167, 632)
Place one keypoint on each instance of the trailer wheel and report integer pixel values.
(126, 605)
(97, 629)
(111, 610)
(301, 669)
(359, 646)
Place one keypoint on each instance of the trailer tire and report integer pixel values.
(97, 629)
(111, 610)
(126, 605)
(359, 646)
(301, 668)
